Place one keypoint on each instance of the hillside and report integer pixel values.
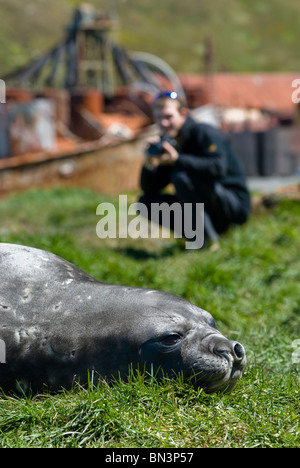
(247, 36)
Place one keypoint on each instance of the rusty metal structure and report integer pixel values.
(79, 114)
(81, 59)
(89, 57)
(93, 82)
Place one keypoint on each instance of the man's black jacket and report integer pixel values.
(205, 153)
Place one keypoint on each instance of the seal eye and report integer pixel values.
(171, 340)
(212, 323)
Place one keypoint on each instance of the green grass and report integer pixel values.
(251, 287)
(152, 415)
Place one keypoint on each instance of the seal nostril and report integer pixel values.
(239, 351)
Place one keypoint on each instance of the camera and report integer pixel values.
(156, 149)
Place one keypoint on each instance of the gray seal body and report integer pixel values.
(58, 324)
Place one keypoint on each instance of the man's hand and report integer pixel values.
(151, 161)
(170, 156)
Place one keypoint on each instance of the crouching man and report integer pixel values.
(200, 162)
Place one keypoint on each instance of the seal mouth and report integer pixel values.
(215, 382)
(220, 370)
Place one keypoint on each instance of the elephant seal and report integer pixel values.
(58, 323)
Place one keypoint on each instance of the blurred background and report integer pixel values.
(80, 79)
(247, 36)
